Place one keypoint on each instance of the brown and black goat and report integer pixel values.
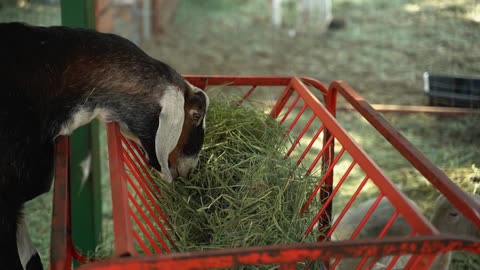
(55, 79)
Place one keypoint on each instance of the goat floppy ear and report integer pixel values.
(170, 126)
(197, 104)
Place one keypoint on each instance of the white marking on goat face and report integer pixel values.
(169, 127)
(185, 165)
(185, 156)
(25, 247)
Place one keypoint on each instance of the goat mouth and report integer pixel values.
(180, 172)
(174, 172)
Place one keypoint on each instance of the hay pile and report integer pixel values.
(243, 192)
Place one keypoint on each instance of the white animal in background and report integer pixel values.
(311, 15)
(446, 218)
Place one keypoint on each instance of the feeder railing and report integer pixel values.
(60, 242)
(286, 254)
(432, 173)
(142, 227)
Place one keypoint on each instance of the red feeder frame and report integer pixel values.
(139, 222)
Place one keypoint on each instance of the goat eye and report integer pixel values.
(196, 117)
(453, 214)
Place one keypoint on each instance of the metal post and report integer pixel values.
(147, 19)
(85, 191)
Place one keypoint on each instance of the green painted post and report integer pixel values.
(85, 196)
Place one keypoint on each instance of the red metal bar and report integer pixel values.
(388, 225)
(147, 188)
(300, 136)
(416, 262)
(153, 197)
(248, 93)
(397, 257)
(295, 121)
(363, 261)
(393, 261)
(317, 187)
(347, 206)
(325, 147)
(316, 84)
(139, 158)
(290, 108)
(327, 159)
(372, 263)
(418, 221)
(367, 216)
(148, 222)
(202, 81)
(329, 199)
(427, 260)
(228, 258)
(60, 241)
(80, 257)
(151, 181)
(121, 220)
(133, 168)
(335, 263)
(281, 102)
(137, 149)
(237, 80)
(153, 213)
(141, 180)
(142, 227)
(432, 173)
(140, 243)
(314, 138)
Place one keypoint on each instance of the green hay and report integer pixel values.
(243, 192)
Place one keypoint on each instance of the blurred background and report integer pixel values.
(383, 49)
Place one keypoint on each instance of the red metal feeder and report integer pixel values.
(140, 225)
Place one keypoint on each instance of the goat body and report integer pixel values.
(55, 79)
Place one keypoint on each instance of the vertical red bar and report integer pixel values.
(248, 94)
(347, 206)
(61, 246)
(327, 160)
(121, 219)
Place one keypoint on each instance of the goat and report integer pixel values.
(55, 79)
(446, 218)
